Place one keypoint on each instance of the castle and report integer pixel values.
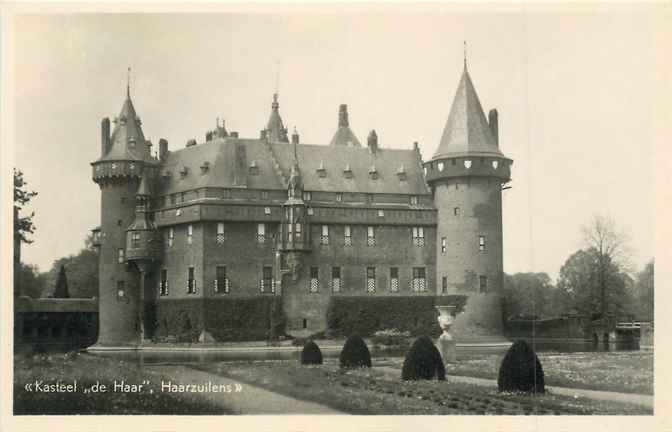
(243, 218)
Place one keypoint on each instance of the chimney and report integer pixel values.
(105, 136)
(295, 137)
(494, 124)
(163, 149)
(343, 116)
(372, 141)
(415, 146)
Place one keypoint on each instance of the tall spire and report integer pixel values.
(466, 130)
(275, 129)
(465, 54)
(128, 83)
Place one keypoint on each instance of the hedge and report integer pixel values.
(365, 315)
(226, 319)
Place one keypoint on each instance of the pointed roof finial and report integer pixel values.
(128, 83)
(465, 54)
(277, 75)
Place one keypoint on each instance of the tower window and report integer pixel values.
(310, 211)
(191, 282)
(163, 284)
(120, 255)
(394, 279)
(135, 239)
(267, 210)
(419, 282)
(339, 197)
(347, 235)
(314, 280)
(444, 285)
(444, 245)
(336, 279)
(483, 284)
(370, 279)
(440, 165)
(171, 236)
(261, 233)
(264, 195)
(418, 234)
(414, 200)
(190, 234)
(267, 284)
(220, 233)
(381, 213)
(221, 281)
(456, 211)
(306, 196)
(324, 239)
(481, 243)
(370, 236)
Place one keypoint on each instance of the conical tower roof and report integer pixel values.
(275, 129)
(344, 135)
(127, 140)
(467, 131)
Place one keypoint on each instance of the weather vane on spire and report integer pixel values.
(128, 83)
(465, 53)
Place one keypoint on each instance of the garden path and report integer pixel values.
(639, 399)
(250, 400)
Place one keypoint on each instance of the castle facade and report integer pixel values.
(235, 217)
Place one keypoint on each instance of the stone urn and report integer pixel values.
(446, 343)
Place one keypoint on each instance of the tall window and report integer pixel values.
(444, 284)
(120, 255)
(135, 239)
(444, 245)
(266, 284)
(370, 236)
(414, 200)
(336, 279)
(348, 235)
(171, 236)
(339, 197)
(191, 282)
(220, 233)
(456, 211)
(481, 243)
(394, 279)
(306, 196)
(221, 281)
(418, 236)
(163, 284)
(190, 234)
(419, 282)
(314, 280)
(483, 284)
(324, 239)
(264, 195)
(370, 279)
(261, 233)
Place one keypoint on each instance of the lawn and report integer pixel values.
(374, 391)
(624, 371)
(87, 369)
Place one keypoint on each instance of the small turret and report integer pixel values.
(372, 141)
(275, 129)
(344, 135)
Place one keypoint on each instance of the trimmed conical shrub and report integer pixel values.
(521, 370)
(311, 354)
(61, 290)
(355, 353)
(423, 362)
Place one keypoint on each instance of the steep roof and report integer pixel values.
(127, 141)
(275, 128)
(467, 130)
(229, 162)
(344, 136)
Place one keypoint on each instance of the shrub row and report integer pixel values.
(226, 319)
(365, 315)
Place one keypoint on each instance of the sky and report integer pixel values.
(574, 91)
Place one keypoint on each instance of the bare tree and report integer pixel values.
(611, 246)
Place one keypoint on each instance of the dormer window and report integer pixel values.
(440, 165)
(321, 171)
(401, 173)
(131, 143)
(122, 121)
(347, 172)
(373, 173)
(184, 171)
(254, 169)
(306, 196)
(205, 167)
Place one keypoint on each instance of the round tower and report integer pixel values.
(467, 174)
(125, 160)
